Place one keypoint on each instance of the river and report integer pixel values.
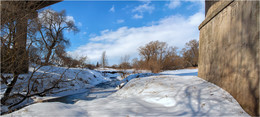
(99, 91)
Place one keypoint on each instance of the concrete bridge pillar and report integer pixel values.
(15, 58)
(229, 50)
(22, 64)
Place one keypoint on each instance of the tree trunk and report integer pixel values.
(9, 89)
(49, 54)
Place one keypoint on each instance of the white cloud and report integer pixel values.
(84, 33)
(144, 8)
(112, 9)
(137, 16)
(173, 4)
(176, 30)
(120, 21)
(70, 18)
(141, 9)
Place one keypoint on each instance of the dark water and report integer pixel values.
(71, 99)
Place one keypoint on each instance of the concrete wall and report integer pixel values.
(208, 4)
(229, 51)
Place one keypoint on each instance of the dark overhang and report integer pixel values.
(15, 9)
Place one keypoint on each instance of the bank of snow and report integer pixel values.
(73, 80)
(161, 95)
(166, 95)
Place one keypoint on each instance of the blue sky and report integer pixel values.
(121, 27)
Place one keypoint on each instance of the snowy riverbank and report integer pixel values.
(74, 80)
(173, 93)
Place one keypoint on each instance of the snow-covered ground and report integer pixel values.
(172, 93)
(124, 70)
(76, 80)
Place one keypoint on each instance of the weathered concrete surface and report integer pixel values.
(230, 51)
(208, 4)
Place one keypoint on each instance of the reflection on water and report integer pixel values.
(71, 99)
(89, 95)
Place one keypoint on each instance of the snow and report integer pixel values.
(124, 70)
(172, 93)
(178, 95)
(182, 72)
(165, 101)
(76, 80)
(50, 110)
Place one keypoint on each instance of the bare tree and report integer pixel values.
(104, 62)
(157, 56)
(172, 60)
(154, 54)
(191, 53)
(138, 64)
(125, 59)
(125, 64)
(60, 57)
(135, 63)
(51, 25)
(82, 61)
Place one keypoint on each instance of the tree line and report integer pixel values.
(157, 56)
